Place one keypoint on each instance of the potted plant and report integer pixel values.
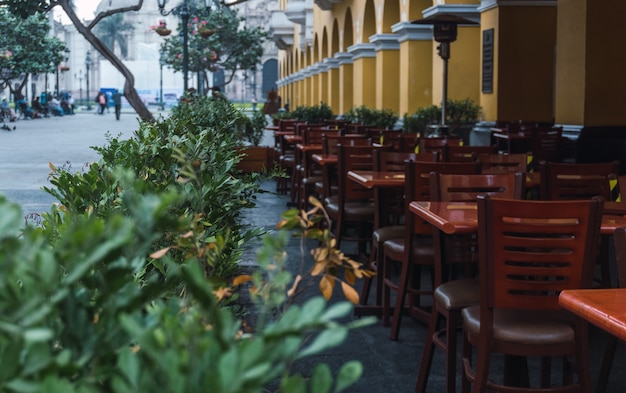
(250, 131)
(376, 118)
(161, 29)
(461, 115)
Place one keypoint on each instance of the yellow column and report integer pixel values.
(323, 85)
(315, 84)
(332, 86)
(346, 81)
(523, 50)
(387, 71)
(590, 82)
(416, 66)
(364, 69)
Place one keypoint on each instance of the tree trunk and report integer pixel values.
(129, 86)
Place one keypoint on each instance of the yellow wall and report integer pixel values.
(388, 82)
(364, 82)
(416, 67)
(489, 101)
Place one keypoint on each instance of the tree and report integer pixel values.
(231, 47)
(24, 8)
(26, 48)
(112, 30)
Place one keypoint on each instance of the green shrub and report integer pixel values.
(458, 113)
(377, 118)
(313, 114)
(123, 288)
(192, 151)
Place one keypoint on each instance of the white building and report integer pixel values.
(143, 56)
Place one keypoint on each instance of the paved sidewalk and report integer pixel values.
(26, 151)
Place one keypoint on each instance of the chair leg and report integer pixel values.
(367, 282)
(582, 358)
(386, 292)
(607, 363)
(450, 350)
(403, 283)
(483, 359)
(428, 353)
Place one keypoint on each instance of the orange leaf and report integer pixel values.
(241, 279)
(160, 253)
(318, 268)
(350, 293)
(349, 276)
(326, 286)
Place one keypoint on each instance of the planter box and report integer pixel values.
(257, 159)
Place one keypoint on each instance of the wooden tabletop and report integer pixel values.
(372, 179)
(605, 308)
(462, 217)
(325, 159)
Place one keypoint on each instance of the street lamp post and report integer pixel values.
(80, 85)
(87, 65)
(161, 64)
(183, 11)
(444, 32)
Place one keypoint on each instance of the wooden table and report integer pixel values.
(462, 217)
(373, 179)
(605, 308)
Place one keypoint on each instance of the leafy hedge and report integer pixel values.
(121, 288)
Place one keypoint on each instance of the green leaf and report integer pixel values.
(349, 373)
(321, 379)
(326, 339)
(293, 384)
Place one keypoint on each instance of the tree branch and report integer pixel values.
(114, 11)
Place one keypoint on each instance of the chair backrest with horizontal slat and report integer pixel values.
(351, 158)
(417, 185)
(330, 142)
(393, 161)
(468, 153)
(438, 145)
(532, 250)
(502, 163)
(465, 188)
(576, 181)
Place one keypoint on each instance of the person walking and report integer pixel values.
(117, 102)
(102, 100)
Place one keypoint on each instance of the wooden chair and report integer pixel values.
(309, 173)
(529, 251)
(409, 142)
(561, 181)
(414, 249)
(499, 163)
(546, 143)
(468, 153)
(285, 152)
(452, 296)
(576, 181)
(353, 204)
(390, 205)
(438, 145)
(328, 184)
(612, 342)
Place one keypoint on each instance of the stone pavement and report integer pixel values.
(389, 366)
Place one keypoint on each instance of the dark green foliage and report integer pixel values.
(377, 118)
(192, 152)
(121, 289)
(313, 114)
(458, 113)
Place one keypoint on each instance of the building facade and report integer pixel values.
(553, 61)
